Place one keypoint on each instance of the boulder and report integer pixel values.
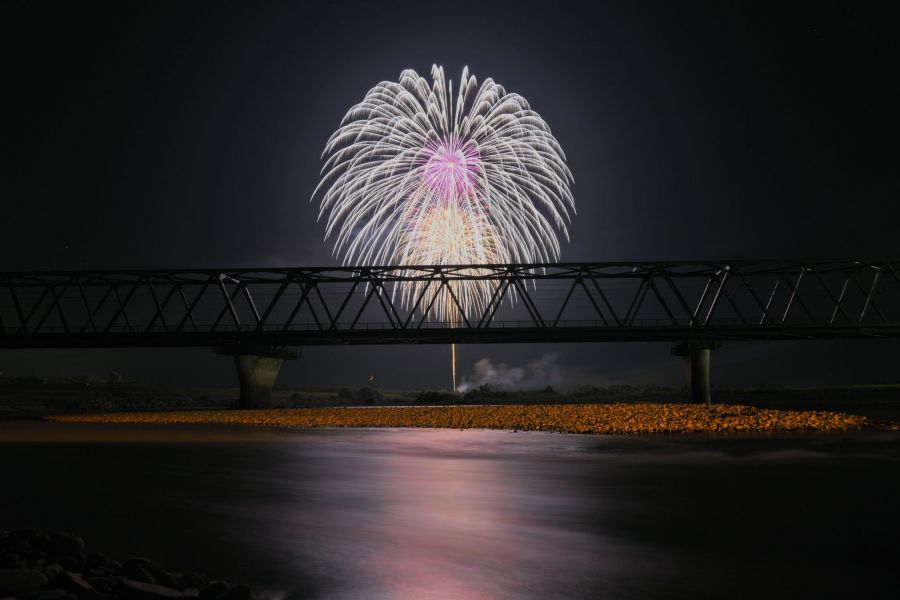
(96, 560)
(34, 538)
(238, 592)
(34, 559)
(94, 573)
(52, 570)
(17, 542)
(19, 581)
(65, 543)
(73, 583)
(216, 590)
(92, 594)
(193, 580)
(137, 561)
(70, 562)
(103, 583)
(166, 579)
(44, 595)
(24, 541)
(39, 539)
(138, 573)
(20, 535)
(10, 560)
(139, 590)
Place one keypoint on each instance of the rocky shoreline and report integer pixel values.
(37, 565)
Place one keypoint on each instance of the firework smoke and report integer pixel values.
(533, 375)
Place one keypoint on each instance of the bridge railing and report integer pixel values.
(440, 325)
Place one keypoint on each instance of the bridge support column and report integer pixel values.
(257, 376)
(257, 369)
(696, 367)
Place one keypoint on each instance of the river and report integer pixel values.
(446, 514)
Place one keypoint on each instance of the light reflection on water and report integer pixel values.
(429, 514)
(435, 525)
(396, 514)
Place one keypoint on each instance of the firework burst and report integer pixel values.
(414, 177)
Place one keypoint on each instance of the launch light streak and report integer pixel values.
(453, 365)
(414, 177)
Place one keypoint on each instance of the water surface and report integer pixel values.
(396, 514)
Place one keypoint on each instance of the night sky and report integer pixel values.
(173, 135)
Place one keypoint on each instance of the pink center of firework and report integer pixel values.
(451, 169)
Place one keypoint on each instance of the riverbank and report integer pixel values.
(36, 565)
(633, 418)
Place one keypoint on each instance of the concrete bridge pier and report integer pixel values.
(696, 367)
(257, 369)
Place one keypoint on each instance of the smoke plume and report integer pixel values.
(533, 375)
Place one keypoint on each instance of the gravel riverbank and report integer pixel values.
(570, 418)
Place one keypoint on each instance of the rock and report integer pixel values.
(193, 580)
(10, 560)
(166, 579)
(70, 562)
(24, 541)
(216, 590)
(44, 595)
(138, 574)
(39, 539)
(19, 581)
(93, 573)
(92, 594)
(52, 570)
(21, 535)
(73, 583)
(137, 561)
(105, 583)
(65, 544)
(17, 542)
(139, 590)
(35, 559)
(97, 560)
(35, 565)
(238, 592)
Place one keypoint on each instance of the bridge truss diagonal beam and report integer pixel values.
(564, 302)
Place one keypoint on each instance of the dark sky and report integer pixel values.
(145, 135)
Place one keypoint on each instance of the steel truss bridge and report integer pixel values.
(564, 302)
